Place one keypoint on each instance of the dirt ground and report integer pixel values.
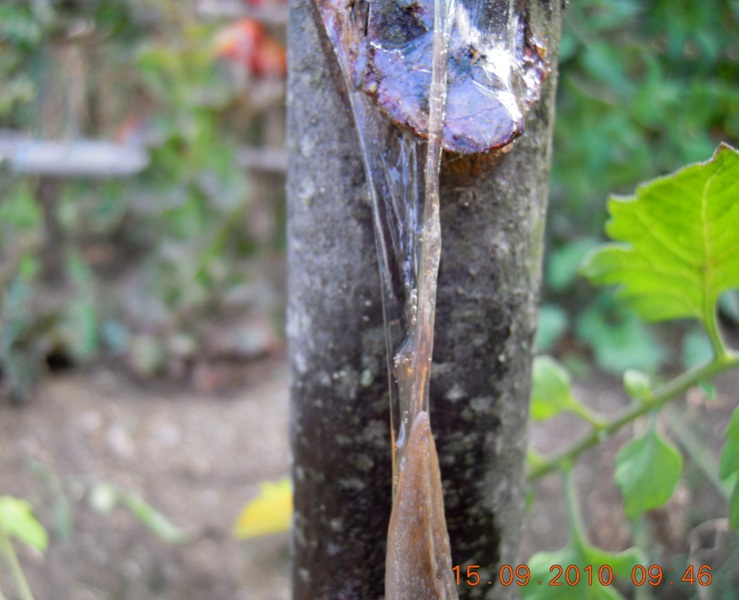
(198, 459)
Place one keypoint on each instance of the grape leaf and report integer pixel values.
(678, 247)
(729, 465)
(17, 520)
(647, 471)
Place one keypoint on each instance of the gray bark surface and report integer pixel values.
(492, 237)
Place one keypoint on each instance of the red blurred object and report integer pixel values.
(247, 42)
(263, 4)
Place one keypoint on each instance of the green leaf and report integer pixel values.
(155, 521)
(729, 462)
(679, 250)
(552, 324)
(734, 507)
(17, 520)
(581, 555)
(622, 563)
(551, 393)
(647, 471)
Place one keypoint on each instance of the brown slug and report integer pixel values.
(418, 564)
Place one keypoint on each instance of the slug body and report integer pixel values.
(419, 564)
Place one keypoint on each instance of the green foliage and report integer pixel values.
(552, 391)
(147, 260)
(17, 520)
(637, 384)
(729, 466)
(644, 85)
(563, 263)
(22, 28)
(679, 244)
(105, 497)
(581, 555)
(593, 585)
(647, 471)
(619, 339)
(552, 324)
(676, 254)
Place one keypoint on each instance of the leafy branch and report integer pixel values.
(675, 251)
(656, 400)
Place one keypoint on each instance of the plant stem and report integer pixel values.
(698, 453)
(10, 557)
(585, 414)
(714, 333)
(577, 530)
(659, 397)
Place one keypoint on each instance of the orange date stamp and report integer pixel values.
(572, 575)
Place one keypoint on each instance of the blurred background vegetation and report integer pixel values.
(174, 265)
(646, 86)
(179, 266)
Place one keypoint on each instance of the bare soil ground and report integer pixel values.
(195, 458)
(198, 458)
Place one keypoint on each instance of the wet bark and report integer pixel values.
(492, 236)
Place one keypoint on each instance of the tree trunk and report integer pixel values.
(492, 240)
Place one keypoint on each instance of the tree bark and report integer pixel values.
(492, 240)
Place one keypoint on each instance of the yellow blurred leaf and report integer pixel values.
(270, 512)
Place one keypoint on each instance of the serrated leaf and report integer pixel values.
(552, 389)
(270, 512)
(647, 471)
(580, 555)
(729, 462)
(679, 249)
(17, 520)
